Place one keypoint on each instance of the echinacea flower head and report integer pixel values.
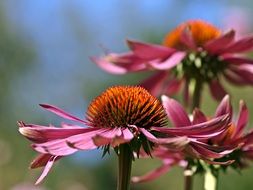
(120, 115)
(195, 51)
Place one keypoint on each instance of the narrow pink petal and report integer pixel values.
(149, 51)
(108, 66)
(245, 71)
(217, 90)
(40, 134)
(173, 142)
(127, 134)
(170, 62)
(224, 107)
(154, 84)
(41, 160)
(46, 170)
(173, 86)
(61, 113)
(231, 59)
(211, 127)
(175, 112)
(242, 119)
(235, 78)
(218, 44)
(152, 175)
(187, 39)
(243, 45)
(198, 116)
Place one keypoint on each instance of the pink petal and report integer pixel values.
(235, 78)
(187, 39)
(242, 119)
(224, 107)
(173, 86)
(108, 66)
(237, 60)
(170, 62)
(217, 90)
(42, 160)
(245, 71)
(61, 113)
(152, 175)
(46, 170)
(155, 83)
(173, 142)
(218, 44)
(198, 116)
(175, 112)
(40, 134)
(243, 45)
(149, 51)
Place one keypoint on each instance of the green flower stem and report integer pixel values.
(210, 181)
(188, 178)
(125, 165)
(196, 98)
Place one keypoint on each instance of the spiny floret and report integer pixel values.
(121, 106)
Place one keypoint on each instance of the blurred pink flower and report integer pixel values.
(212, 153)
(121, 114)
(193, 51)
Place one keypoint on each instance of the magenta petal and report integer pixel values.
(224, 107)
(170, 62)
(152, 175)
(245, 71)
(175, 112)
(174, 142)
(61, 113)
(242, 119)
(154, 84)
(109, 67)
(187, 39)
(217, 90)
(173, 86)
(235, 60)
(235, 78)
(242, 45)
(40, 134)
(216, 45)
(149, 51)
(198, 117)
(42, 160)
(46, 170)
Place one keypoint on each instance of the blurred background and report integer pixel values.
(44, 58)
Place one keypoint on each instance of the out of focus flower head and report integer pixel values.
(193, 52)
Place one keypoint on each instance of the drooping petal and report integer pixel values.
(235, 78)
(155, 83)
(175, 112)
(217, 90)
(214, 46)
(224, 107)
(41, 134)
(173, 86)
(149, 51)
(242, 119)
(152, 175)
(243, 45)
(46, 169)
(61, 113)
(245, 71)
(235, 60)
(170, 62)
(42, 160)
(206, 129)
(108, 66)
(187, 39)
(171, 142)
(198, 116)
